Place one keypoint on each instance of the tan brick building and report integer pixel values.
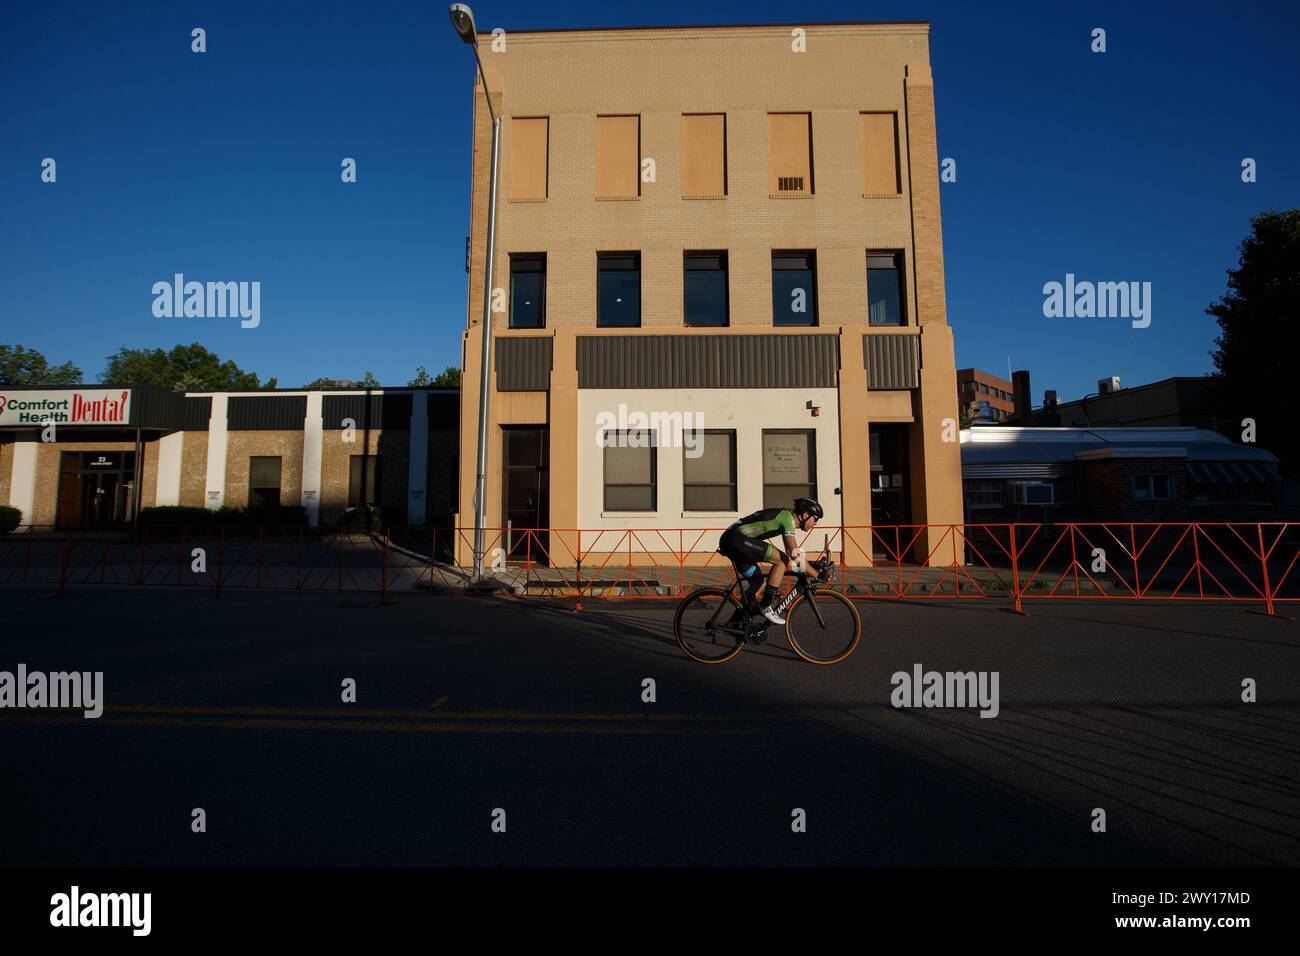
(733, 230)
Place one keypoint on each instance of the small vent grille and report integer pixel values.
(789, 184)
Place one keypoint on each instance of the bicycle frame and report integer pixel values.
(804, 584)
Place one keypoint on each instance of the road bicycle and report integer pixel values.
(821, 624)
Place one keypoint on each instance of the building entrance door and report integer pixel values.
(890, 504)
(95, 490)
(527, 492)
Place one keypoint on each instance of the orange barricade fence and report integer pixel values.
(1018, 563)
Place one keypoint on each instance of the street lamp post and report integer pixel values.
(462, 18)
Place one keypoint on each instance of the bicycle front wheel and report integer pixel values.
(825, 629)
(704, 629)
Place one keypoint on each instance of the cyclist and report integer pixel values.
(745, 544)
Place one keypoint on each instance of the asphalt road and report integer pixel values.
(465, 705)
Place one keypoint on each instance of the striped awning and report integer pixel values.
(1231, 472)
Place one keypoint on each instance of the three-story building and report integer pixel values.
(719, 284)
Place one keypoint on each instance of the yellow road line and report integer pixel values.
(551, 726)
(345, 711)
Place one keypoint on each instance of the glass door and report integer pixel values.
(527, 493)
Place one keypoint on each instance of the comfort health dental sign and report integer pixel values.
(66, 406)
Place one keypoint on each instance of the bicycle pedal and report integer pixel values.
(758, 637)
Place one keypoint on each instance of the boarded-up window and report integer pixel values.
(789, 466)
(618, 152)
(528, 154)
(631, 470)
(369, 477)
(709, 471)
(263, 481)
(878, 148)
(704, 154)
(789, 154)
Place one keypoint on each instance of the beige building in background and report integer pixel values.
(642, 172)
(321, 451)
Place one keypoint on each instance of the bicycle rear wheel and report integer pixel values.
(701, 626)
(824, 630)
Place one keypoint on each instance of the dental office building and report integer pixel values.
(117, 450)
(738, 226)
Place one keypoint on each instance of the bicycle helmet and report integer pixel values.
(807, 506)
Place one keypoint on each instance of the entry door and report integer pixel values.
(527, 492)
(889, 480)
(95, 490)
(102, 506)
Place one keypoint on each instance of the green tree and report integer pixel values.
(448, 377)
(1256, 317)
(369, 381)
(23, 366)
(185, 367)
(422, 378)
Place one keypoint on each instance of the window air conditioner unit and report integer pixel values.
(1034, 494)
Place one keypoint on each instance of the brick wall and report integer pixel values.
(6, 469)
(1107, 487)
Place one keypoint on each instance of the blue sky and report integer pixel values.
(1118, 166)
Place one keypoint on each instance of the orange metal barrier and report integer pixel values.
(1023, 562)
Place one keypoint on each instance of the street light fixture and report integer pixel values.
(462, 18)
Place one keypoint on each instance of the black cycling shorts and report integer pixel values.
(745, 551)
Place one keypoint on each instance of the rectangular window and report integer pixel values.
(878, 153)
(528, 291)
(885, 289)
(705, 284)
(263, 481)
(789, 154)
(984, 493)
(709, 471)
(1153, 488)
(630, 470)
(704, 155)
(373, 475)
(618, 157)
(618, 290)
(789, 466)
(794, 288)
(529, 139)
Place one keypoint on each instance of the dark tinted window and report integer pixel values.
(794, 288)
(705, 283)
(618, 289)
(885, 292)
(527, 291)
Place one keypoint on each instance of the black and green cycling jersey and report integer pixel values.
(743, 541)
(766, 523)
